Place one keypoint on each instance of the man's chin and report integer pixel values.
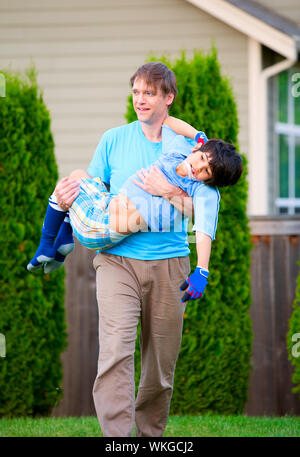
(143, 117)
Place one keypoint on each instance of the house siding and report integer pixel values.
(86, 51)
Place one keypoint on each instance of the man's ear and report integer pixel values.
(170, 99)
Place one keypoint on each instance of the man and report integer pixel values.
(140, 278)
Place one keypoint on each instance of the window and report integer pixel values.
(287, 139)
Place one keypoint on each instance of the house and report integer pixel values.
(86, 51)
(273, 103)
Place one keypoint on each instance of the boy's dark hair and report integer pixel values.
(226, 164)
(157, 74)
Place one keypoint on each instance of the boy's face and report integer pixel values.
(150, 103)
(199, 162)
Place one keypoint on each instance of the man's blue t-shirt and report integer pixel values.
(120, 153)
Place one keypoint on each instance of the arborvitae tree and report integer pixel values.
(32, 316)
(293, 339)
(212, 371)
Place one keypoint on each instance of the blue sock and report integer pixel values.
(63, 246)
(52, 223)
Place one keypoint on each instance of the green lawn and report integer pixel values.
(178, 426)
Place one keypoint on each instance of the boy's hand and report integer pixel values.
(201, 138)
(195, 284)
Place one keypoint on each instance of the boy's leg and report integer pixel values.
(56, 228)
(124, 217)
(63, 246)
(64, 243)
(90, 216)
(52, 222)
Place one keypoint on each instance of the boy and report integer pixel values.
(99, 220)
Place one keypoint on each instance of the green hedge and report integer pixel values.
(32, 316)
(293, 344)
(213, 368)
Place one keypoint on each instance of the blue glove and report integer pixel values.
(201, 138)
(195, 284)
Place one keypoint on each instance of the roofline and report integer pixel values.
(268, 16)
(246, 23)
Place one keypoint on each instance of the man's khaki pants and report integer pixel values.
(129, 289)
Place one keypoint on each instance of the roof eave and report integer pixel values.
(286, 45)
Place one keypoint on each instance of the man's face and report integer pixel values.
(150, 104)
(200, 167)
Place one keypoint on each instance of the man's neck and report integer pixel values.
(152, 131)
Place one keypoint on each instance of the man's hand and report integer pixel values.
(155, 183)
(66, 191)
(195, 284)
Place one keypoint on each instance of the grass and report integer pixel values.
(178, 426)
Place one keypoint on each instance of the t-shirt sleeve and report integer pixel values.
(99, 166)
(206, 207)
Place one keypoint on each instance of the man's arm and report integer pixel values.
(67, 189)
(183, 202)
(157, 184)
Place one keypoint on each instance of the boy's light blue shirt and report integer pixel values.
(159, 214)
(120, 153)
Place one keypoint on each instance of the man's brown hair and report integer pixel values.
(156, 74)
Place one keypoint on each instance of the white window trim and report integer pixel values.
(287, 202)
(291, 131)
(287, 129)
(258, 166)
